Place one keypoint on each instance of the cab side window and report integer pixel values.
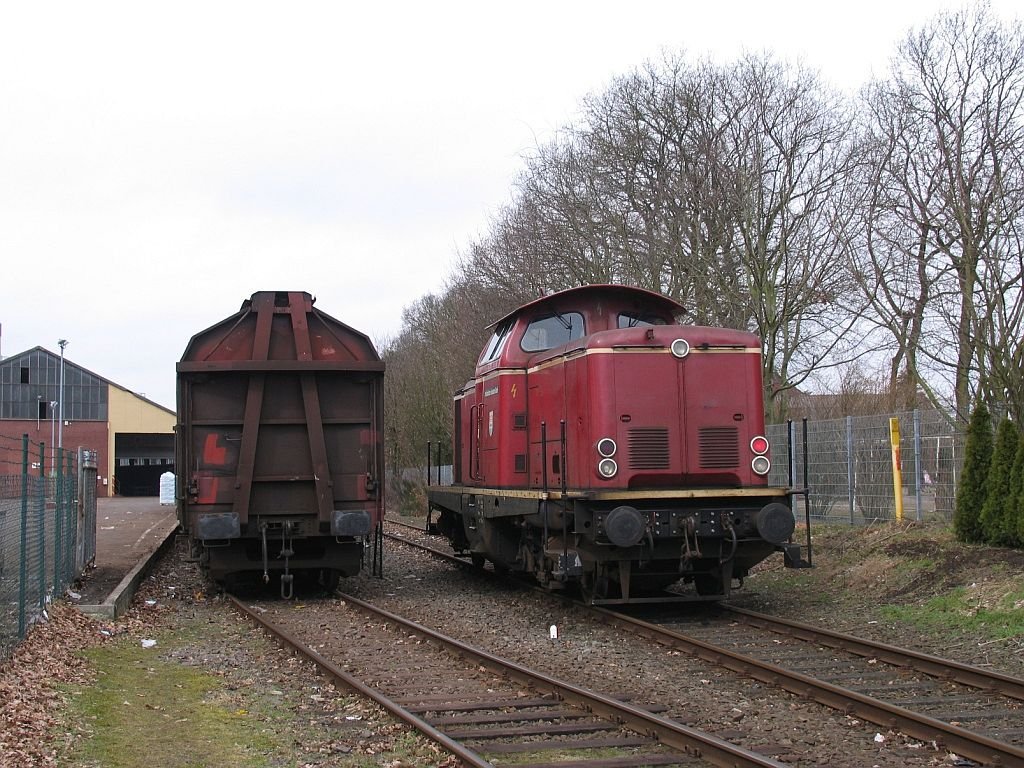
(552, 331)
(496, 343)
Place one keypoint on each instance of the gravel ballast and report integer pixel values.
(857, 573)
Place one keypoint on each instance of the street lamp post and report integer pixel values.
(53, 447)
(60, 429)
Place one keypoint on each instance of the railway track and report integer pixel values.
(973, 712)
(478, 706)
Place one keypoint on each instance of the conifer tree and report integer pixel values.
(970, 496)
(997, 527)
(1017, 495)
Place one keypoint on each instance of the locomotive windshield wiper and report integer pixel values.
(567, 324)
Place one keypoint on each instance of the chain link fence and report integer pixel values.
(849, 466)
(47, 529)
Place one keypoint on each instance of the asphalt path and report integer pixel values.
(128, 529)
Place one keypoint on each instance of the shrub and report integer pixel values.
(970, 497)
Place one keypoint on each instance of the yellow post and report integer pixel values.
(897, 469)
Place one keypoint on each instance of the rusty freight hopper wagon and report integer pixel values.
(280, 411)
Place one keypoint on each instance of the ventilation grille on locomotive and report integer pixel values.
(648, 448)
(719, 448)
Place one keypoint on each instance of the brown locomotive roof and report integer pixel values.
(656, 301)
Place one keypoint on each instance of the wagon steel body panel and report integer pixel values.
(280, 419)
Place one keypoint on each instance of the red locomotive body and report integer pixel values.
(280, 412)
(603, 444)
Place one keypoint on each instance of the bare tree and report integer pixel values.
(723, 187)
(941, 261)
(428, 361)
(789, 143)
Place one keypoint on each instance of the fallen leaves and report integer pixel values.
(29, 695)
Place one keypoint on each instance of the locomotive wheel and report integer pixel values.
(588, 589)
(593, 586)
(330, 578)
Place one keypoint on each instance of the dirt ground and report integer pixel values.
(909, 584)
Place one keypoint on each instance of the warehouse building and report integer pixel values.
(133, 437)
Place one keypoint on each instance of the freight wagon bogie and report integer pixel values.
(600, 445)
(232, 562)
(279, 441)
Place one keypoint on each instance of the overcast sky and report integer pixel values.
(160, 163)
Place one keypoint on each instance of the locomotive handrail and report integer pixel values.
(474, 442)
(805, 491)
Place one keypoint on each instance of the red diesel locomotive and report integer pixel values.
(602, 444)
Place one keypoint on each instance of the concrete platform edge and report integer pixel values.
(118, 600)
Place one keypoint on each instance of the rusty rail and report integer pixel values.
(966, 743)
(965, 674)
(333, 671)
(691, 743)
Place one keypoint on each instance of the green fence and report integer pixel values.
(47, 529)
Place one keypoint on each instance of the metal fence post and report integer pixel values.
(791, 438)
(67, 561)
(58, 520)
(917, 461)
(41, 532)
(851, 475)
(23, 570)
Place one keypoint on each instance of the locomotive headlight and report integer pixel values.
(760, 465)
(759, 445)
(680, 348)
(606, 447)
(607, 468)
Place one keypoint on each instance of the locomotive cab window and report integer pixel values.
(635, 320)
(496, 343)
(552, 331)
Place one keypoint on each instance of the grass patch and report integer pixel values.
(905, 570)
(999, 614)
(147, 708)
(145, 711)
